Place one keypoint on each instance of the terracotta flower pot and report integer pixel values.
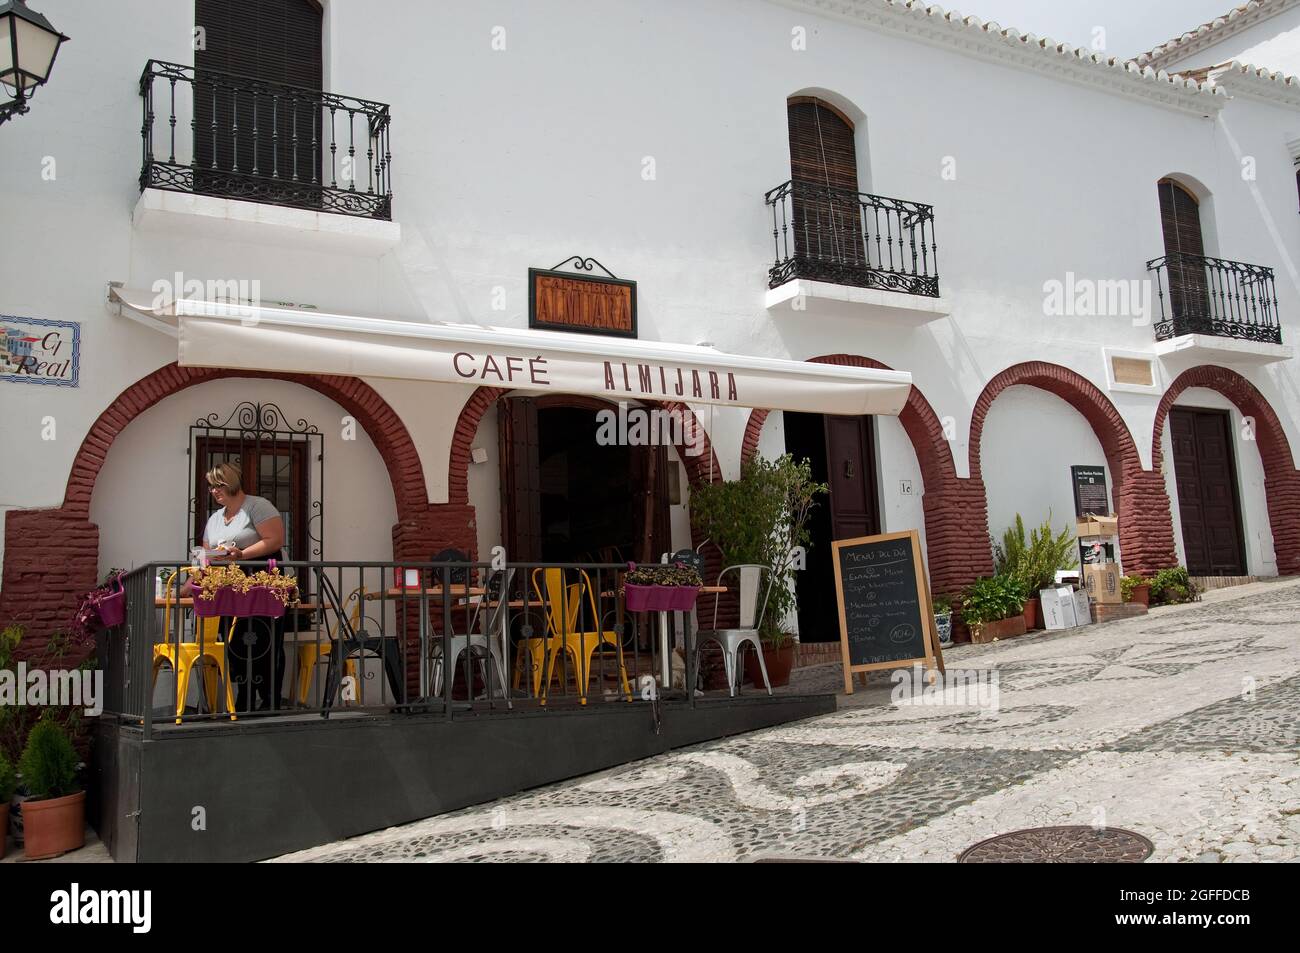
(4, 828)
(1141, 595)
(779, 663)
(54, 826)
(1002, 629)
(1031, 613)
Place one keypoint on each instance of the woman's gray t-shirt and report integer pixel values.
(241, 531)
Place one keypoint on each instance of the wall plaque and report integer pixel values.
(585, 303)
(36, 351)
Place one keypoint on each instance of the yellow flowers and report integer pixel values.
(221, 577)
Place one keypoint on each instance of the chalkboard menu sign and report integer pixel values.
(886, 618)
(1090, 491)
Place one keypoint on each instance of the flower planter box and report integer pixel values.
(660, 598)
(1003, 629)
(257, 601)
(1141, 595)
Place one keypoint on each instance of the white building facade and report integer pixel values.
(1023, 187)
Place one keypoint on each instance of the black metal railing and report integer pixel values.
(850, 238)
(384, 637)
(236, 137)
(1229, 299)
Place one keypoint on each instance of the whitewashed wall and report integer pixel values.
(506, 159)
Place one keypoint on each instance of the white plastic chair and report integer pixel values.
(751, 620)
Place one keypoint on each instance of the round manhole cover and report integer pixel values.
(1061, 845)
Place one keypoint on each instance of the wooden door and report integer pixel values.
(1207, 492)
(824, 175)
(851, 475)
(649, 483)
(1180, 223)
(521, 498)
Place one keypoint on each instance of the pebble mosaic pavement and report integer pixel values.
(1183, 726)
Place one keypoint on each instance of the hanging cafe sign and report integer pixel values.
(569, 301)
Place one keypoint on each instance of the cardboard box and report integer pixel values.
(1097, 526)
(1102, 584)
(1057, 607)
(1082, 611)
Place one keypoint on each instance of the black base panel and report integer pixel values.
(228, 793)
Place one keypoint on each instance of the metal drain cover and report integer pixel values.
(1061, 845)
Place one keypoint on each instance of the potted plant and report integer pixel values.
(762, 519)
(1172, 586)
(54, 814)
(228, 591)
(1135, 589)
(993, 608)
(1034, 560)
(7, 786)
(102, 607)
(662, 588)
(942, 607)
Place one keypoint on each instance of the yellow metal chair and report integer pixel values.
(209, 656)
(310, 653)
(561, 606)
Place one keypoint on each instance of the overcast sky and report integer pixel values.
(1131, 26)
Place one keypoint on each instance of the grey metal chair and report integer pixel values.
(751, 581)
(491, 618)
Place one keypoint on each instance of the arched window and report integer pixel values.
(824, 188)
(1180, 221)
(276, 41)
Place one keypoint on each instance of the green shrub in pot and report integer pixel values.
(49, 762)
(1034, 559)
(993, 599)
(1171, 586)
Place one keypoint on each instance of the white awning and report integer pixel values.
(289, 340)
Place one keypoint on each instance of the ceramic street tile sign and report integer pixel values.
(36, 351)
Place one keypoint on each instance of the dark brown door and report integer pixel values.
(851, 475)
(521, 498)
(1180, 223)
(824, 174)
(1207, 492)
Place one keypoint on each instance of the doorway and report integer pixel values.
(565, 497)
(841, 452)
(1206, 477)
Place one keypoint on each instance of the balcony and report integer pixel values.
(1218, 307)
(851, 252)
(254, 141)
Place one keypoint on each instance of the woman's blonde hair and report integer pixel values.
(225, 474)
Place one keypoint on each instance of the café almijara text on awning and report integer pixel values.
(215, 334)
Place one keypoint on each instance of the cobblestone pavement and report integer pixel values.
(1183, 726)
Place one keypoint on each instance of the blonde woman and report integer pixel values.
(245, 528)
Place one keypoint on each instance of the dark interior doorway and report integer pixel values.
(1206, 476)
(841, 452)
(565, 497)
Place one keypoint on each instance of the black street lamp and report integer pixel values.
(28, 45)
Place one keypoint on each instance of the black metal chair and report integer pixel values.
(458, 575)
(349, 642)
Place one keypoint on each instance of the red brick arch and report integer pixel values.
(1281, 480)
(956, 513)
(1146, 527)
(52, 555)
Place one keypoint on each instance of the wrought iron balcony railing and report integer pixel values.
(264, 142)
(851, 238)
(1228, 299)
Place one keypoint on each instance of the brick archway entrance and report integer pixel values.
(1281, 479)
(52, 555)
(1146, 524)
(956, 514)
